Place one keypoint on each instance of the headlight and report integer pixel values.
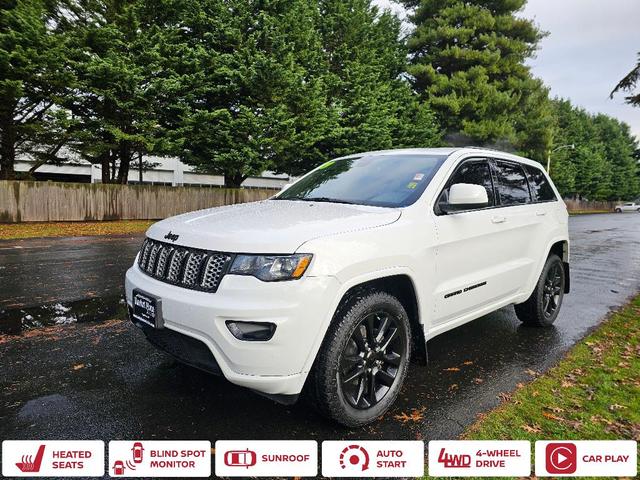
(271, 268)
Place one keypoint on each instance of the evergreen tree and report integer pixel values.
(112, 59)
(468, 62)
(32, 82)
(602, 166)
(375, 105)
(628, 84)
(243, 89)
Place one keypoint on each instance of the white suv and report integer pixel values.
(334, 283)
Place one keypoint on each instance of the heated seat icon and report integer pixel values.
(30, 465)
(561, 458)
(240, 458)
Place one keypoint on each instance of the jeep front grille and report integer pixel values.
(186, 267)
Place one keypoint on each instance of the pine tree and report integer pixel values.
(376, 107)
(468, 63)
(111, 58)
(243, 90)
(32, 82)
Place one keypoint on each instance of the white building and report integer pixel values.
(165, 171)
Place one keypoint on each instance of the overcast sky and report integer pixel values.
(591, 45)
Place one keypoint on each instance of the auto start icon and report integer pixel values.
(354, 456)
(372, 458)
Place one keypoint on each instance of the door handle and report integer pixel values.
(541, 213)
(498, 219)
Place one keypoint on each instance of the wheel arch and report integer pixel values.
(561, 249)
(401, 286)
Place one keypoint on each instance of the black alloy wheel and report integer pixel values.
(370, 360)
(552, 290)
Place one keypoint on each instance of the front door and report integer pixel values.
(470, 255)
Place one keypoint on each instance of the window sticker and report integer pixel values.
(418, 177)
(326, 165)
(412, 185)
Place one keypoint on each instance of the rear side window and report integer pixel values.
(540, 186)
(476, 172)
(512, 184)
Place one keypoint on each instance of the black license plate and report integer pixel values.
(147, 309)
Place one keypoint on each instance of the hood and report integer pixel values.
(270, 226)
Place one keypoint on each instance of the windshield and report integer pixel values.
(378, 180)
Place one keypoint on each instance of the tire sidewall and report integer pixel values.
(345, 326)
(543, 318)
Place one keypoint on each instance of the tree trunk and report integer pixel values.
(7, 145)
(124, 152)
(105, 164)
(234, 180)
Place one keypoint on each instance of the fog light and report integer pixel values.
(251, 331)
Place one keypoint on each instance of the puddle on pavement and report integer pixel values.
(15, 321)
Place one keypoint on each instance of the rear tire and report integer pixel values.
(542, 307)
(618, 210)
(363, 360)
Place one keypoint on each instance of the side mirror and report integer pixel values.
(465, 196)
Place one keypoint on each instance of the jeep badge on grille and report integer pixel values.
(171, 236)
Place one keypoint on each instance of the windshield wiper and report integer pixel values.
(316, 199)
(325, 199)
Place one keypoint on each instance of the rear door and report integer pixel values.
(523, 239)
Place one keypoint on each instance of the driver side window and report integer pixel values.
(476, 172)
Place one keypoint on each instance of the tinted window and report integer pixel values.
(380, 180)
(476, 172)
(512, 184)
(540, 187)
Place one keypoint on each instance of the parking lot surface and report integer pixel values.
(101, 380)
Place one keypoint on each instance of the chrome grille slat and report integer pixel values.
(176, 265)
(161, 265)
(144, 254)
(192, 268)
(186, 267)
(152, 257)
(213, 270)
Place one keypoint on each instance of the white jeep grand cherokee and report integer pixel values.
(334, 283)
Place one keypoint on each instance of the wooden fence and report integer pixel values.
(590, 205)
(22, 201)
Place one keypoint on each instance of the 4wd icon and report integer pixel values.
(454, 461)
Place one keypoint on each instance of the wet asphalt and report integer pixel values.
(101, 380)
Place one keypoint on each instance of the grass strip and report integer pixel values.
(14, 231)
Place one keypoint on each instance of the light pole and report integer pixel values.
(571, 146)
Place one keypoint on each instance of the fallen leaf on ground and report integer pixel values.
(532, 429)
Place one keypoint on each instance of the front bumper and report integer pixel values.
(300, 309)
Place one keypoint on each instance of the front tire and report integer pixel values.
(542, 307)
(363, 360)
(618, 210)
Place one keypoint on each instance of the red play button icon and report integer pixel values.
(561, 458)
